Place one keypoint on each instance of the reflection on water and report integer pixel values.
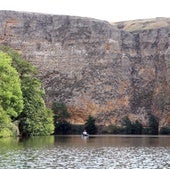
(117, 152)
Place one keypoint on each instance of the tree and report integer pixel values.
(132, 128)
(90, 125)
(11, 100)
(165, 130)
(62, 126)
(5, 121)
(127, 125)
(137, 127)
(35, 118)
(10, 87)
(153, 125)
(60, 111)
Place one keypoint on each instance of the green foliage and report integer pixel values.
(60, 111)
(90, 125)
(10, 87)
(76, 129)
(11, 100)
(4, 124)
(165, 130)
(112, 129)
(23, 67)
(153, 125)
(132, 128)
(60, 118)
(5, 132)
(127, 125)
(33, 118)
(137, 127)
(62, 127)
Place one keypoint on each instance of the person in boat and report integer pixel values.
(85, 133)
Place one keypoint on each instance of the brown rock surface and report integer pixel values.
(97, 68)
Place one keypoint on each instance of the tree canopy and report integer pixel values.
(62, 126)
(22, 96)
(90, 125)
(11, 100)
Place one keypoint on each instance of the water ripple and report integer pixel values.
(87, 157)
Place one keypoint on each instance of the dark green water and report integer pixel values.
(119, 152)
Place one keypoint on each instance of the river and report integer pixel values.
(75, 152)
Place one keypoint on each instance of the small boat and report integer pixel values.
(85, 134)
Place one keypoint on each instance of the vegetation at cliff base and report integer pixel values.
(62, 126)
(22, 107)
(153, 125)
(131, 128)
(90, 125)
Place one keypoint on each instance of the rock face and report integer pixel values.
(105, 70)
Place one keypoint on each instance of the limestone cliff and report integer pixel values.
(106, 70)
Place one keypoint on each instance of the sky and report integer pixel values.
(109, 10)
